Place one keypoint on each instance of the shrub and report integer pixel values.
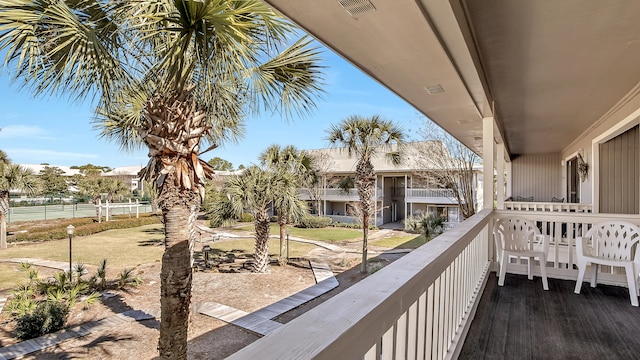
(430, 225)
(273, 219)
(315, 222)
(352, 225)
(85, 226)
(246, 217)
(48, 316)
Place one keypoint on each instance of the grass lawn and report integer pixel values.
(325, 234)
(412, 241)
(121, 248)
(245, 248)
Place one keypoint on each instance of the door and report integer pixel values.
(573, 181)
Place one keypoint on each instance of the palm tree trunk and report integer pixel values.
(4, 210)
(176, 274)
(261, 254)
(365, 183)
(98, 202)
(282, 220)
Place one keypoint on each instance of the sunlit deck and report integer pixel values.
(521, 321)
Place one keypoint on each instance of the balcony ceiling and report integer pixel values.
(551, 68)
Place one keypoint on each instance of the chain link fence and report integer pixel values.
(68, 211)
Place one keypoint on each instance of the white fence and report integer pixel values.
(62, 211)
(547, 206)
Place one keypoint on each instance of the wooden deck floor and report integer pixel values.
(521, 321)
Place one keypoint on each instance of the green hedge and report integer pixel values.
(314, 222)
(352, 225)
(246, 217)
(84, 227)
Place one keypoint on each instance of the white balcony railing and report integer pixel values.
(547, 206)
(563, 228)
(431, 196)
(419, 306)
(335, 194)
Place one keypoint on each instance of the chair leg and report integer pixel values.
(631, 280)
(529, 267)
(543, 272)
(503, 268)
(582, 266)
(594, 274)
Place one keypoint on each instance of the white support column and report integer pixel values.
(500, 177)
(405, 196)
(509, 179)
(375, 201)
(487, 162)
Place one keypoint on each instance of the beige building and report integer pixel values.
(400, 191)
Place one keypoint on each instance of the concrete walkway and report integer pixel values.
(260, 321)
(26, 347)
(60, 265)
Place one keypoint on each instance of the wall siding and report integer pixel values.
(619, 174)
(537, 175)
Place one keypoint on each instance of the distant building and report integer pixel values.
(400, 191)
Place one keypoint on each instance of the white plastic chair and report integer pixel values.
(521, 238)
(613, 243)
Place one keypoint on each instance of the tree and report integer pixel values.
(53, 183)
(321, 163)
(448, 164)
(175, 76)
(365, 138)
(254, 190)
(12, 177)
(220, 164)
(99, 187)
(90, 169)
(290, 161)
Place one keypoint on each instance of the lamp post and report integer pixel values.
(70, 230)
(288, 231)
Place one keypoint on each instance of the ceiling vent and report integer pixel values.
(434, 89)
(357, 7)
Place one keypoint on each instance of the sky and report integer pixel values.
(56, 131)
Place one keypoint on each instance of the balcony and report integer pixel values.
(424, 304)
(430, 196)
(547, 206)
(335, 194)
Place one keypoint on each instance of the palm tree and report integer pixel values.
(177, 76)
(12, 177)
(287, 203)
(365, 138)
(254, 191)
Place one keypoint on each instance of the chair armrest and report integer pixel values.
(582, 249)
(544, 241)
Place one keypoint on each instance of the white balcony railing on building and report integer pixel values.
(547, 206)
(419, 306)
(424, 193)
(432, 196)
(334, 194)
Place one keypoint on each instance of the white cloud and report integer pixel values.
(23, 131)
(48, 154)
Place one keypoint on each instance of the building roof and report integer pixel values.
(124, 170)
(416, 158)
(37, 168)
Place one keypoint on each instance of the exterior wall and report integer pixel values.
(537, 175)
(618, 185)
(617, 120)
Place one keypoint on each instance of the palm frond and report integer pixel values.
(290, 82)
